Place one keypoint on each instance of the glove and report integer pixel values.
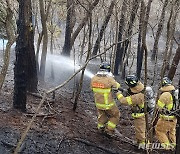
(115, 90)
(121, 89)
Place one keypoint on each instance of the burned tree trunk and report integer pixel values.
(120, 34)
(32, 79)
(143, 31)
(106, 21)
(23, 54)
(125, 45)
(174, 64)
(140, 51)
(69, 28)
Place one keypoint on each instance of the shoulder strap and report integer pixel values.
(174, 100)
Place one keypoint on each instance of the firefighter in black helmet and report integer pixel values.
(136, 101)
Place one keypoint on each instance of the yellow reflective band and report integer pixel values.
(99, 90)
(111, 124)
(171, 98)
(119, 96)
(105, 106)
(141, 105)
(132, 82)
(106, 98)
(137, 115)
(169, 106)
(118, 85)
(160, 104)
(166, 116)
(129, 100)
(100, 125)
(173, 144)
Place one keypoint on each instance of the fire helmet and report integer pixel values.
(166, 81)
(105, 66)
(131, 80)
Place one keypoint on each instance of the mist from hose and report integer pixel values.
(63, 67)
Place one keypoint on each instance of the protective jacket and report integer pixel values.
(165, 102)
(166, 125)
(108, 113)
(136, 101)
(101, 85)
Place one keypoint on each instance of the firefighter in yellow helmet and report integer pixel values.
(166, 125)
(136, 101)
(108, 113)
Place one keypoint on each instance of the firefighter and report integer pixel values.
(136, 101)
(108, 113)
(166, 126)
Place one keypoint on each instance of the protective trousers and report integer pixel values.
(140, 127)
(108, 119)
(166, 131)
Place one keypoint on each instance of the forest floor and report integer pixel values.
(58, 129)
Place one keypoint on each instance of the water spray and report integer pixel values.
(64, 65)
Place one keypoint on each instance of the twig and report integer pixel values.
(39, 115)
(35, 94)
(124, 138)
(95, 145)
(60, 143)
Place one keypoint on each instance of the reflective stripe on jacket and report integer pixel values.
(102, 88)
(165, 102)
(133, 100)
(105, 92)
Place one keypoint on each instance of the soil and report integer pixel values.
(58, 129)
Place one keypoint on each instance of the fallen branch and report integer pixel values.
(35, 94)
(124, 138)
(39, 115)
(59, 144)
(95, 145)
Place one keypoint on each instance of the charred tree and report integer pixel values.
(24, 52)
(174, 64)
(125, 45)
(103, 28)
(69, 28)
(120, 35)
(83, 70)
(32, 79)
(142, 48)
(139, 48)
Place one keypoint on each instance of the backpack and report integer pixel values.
(150, 99)
(176, 104)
